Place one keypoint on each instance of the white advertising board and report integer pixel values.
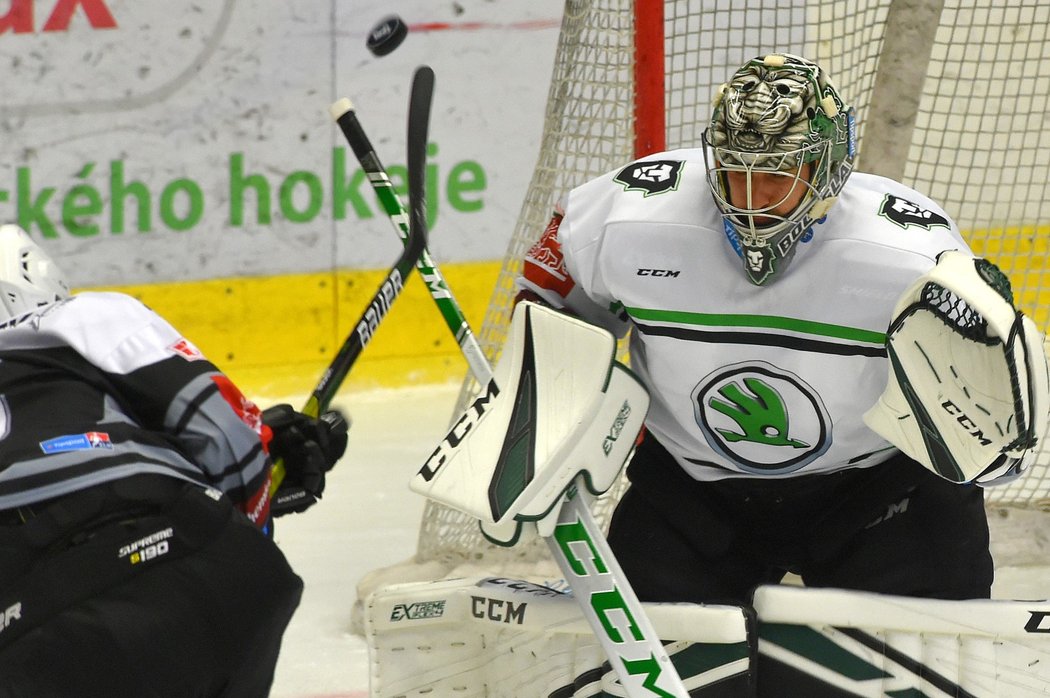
(148, 141)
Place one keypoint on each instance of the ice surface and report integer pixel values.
(368, 518)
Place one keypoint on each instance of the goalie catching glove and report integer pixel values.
(308, 447)
(967, 394)
(559, 405)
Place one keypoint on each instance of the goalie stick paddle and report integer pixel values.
(634, 650)
(415, 244)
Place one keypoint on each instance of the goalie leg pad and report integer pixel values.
(837, 642)
(506, 638)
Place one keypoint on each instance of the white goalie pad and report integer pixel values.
(834, 642)
(496, 637)
(558, 406)
(504, 638)
(968, 390)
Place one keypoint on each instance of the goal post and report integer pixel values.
(648, 72)
(636, 76)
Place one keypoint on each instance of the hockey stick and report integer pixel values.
(415, 244)
(345, 116)
(578, 544)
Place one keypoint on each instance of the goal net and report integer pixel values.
(951, 98)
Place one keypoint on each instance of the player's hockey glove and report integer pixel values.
(309, 448)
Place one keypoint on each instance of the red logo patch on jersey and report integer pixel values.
(186, 350)
(245, 408)
(98, 439)
(545, 264)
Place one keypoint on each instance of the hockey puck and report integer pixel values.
(387, 35)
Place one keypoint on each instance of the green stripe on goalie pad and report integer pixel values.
(499, 637)
(831, 642)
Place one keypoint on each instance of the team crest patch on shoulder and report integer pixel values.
(651, 176)
(186, 350)
(905, 213)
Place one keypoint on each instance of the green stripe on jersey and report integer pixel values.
(823, 329)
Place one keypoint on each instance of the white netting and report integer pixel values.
(974, 137)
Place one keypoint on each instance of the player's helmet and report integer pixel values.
(777, 114)
(28, 277)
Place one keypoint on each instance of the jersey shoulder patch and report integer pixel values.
(873, 209)
(907, 213)
(651, 176)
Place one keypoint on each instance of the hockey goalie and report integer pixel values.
(833, 377)
(966, 396)
(560, 405)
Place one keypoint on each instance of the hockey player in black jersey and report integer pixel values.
(135, 500)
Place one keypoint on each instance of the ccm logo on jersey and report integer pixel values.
(671, 273)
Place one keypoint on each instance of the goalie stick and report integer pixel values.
(578, 545)
(415, 239)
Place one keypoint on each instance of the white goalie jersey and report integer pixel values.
(744, 380)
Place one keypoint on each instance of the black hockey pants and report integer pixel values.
(143, 588)
(893, 528)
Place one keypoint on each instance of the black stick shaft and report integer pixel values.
(418, 132)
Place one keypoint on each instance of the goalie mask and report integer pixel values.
(28, 277)
(778, 151)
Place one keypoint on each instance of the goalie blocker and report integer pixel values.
(559, 405)
(967, 395)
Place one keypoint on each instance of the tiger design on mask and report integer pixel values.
(765, 111)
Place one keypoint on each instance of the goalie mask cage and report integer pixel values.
(951, 98)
